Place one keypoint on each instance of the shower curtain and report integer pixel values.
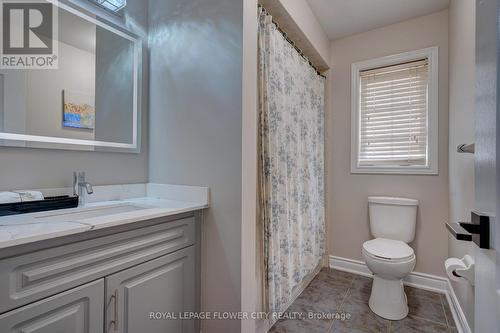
(291, 102)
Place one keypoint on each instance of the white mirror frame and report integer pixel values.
(133, 147)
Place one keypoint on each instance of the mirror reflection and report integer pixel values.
(89, 101)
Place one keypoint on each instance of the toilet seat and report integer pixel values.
(388, 250)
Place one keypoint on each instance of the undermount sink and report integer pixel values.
(90, 213)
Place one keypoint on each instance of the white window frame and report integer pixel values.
(432, 112)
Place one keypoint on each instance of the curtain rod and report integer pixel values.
(291, 42)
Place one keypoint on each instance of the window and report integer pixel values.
(395, 114)
(113, 5)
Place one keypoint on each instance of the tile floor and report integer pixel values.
(334, 291)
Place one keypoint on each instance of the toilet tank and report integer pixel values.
(393, 218)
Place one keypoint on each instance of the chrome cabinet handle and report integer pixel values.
(114, 299)
(116, 310)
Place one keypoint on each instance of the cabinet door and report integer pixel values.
(78, 310)
(165, 285)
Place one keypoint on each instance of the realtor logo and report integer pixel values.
(29, 34)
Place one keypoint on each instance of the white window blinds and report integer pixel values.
(393, 115)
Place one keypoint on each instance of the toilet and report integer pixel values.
(388, 256)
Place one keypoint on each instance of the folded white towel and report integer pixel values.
(30, 195)
(9, 197)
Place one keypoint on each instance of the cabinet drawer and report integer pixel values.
(33, 276)
(79, 310)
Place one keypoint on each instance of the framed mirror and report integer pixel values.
(90, 102)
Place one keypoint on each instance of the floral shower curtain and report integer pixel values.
(292, 165)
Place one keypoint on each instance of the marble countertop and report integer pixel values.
(28, 228)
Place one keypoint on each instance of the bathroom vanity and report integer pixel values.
(106, 267)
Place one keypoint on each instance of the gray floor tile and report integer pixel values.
(362, 319)
(425, 304)
(361, 289)
(337, 285)
(345, 328)
(417, 325)
(335, 276)
(333, 291)
(319, 296)
(300, 326)
(317, 310)
(333, 279)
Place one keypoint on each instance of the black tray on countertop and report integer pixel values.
(49, 203)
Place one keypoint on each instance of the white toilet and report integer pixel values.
(388, 256)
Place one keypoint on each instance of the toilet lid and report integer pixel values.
(388, 249)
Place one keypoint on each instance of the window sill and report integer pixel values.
(397, 170)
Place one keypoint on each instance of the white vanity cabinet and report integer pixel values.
(106, 283)
(79, 310)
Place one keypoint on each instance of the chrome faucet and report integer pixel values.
(79, 184)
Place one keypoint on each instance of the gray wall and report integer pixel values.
(38, 168)
(195, 129)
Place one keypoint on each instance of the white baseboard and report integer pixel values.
(415, 279)
(349, 265)
(456, 310)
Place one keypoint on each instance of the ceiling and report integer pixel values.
(341, 18)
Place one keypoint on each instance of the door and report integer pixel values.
(487, 275)
(152, 296)
(78, 310)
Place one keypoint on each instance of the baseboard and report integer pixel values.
(349, 265)
(456, 310)
(415, 279)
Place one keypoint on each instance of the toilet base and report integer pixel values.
(388, 298)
